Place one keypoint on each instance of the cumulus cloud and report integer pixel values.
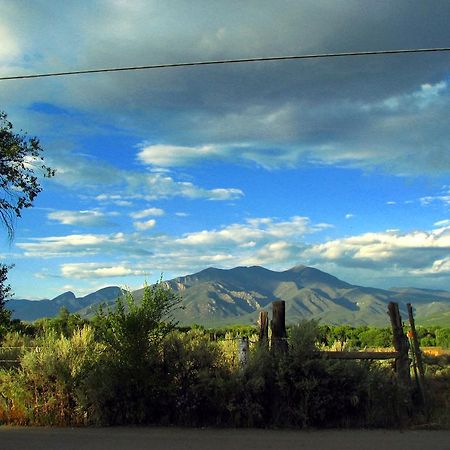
(254, 230)
(256, 239)
(386, 251)
(99, 270)
(172, 155)
(274, 243)
(81, 245)
(147, 213)
(116, 199)
(87, 218)
(144, 225)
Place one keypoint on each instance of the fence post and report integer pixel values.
(278, 327)
(401, 345)
(417, 353)
(243, 349)
(263, 329)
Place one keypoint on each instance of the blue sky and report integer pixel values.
(339, 164)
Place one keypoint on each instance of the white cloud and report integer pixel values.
(144, 225)
(423, 97)
(147, 213)
(275, 243)
(254, 230)
(87, 218)
(442, 223)
(387, 250)
(172, 155)
(113, 199)
(277, 253)
(230, 245)
(439, 268)
(99, 270)
(74, 244)
(442, 197)
(87, 174)
(349, 216)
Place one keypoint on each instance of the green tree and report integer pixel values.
(443, 337)
(21, 162)
(129, 385)
(5, 293)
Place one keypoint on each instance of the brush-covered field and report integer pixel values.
(132, 365)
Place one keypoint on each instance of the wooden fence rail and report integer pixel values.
(359, 355)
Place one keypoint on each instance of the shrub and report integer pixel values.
(199, 379)
(128, 386)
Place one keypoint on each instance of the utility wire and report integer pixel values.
(225, 61)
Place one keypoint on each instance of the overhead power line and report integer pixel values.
(224, 61)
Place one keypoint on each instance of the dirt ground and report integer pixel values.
(17, 438)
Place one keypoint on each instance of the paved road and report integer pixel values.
(211, 439)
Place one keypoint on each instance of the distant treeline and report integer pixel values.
(343, 336)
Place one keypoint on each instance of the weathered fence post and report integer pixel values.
(243, 349)
(401, 345)
(212, 337)
(417, 353)
(263, 329)
(278, 327)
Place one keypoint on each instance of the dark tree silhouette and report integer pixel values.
(5, 293)
(21, 162)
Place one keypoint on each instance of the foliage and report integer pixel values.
(5, 293)
(132, 366)
(132, 330)
(127, 387)
(20, 159)
(376, 337)
(47, 385)
(443, 337)
(199, 379)
(64, 323)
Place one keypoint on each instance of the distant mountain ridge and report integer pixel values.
(35, 309)
(231, 296)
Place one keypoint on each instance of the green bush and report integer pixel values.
(128, 385)
(44, 390)
(198, 377)
(443, 337)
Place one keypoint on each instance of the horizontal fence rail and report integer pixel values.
(358, 355)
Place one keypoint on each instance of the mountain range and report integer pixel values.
(235, 296)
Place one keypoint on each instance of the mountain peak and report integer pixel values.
(66, 296)
(297, 268)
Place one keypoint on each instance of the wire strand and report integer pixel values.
(224, 61)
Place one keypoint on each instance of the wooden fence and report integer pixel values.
(406, 347)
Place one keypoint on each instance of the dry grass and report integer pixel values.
(435, 351)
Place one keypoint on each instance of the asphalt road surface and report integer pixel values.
(17, 438)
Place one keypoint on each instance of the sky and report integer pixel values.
(339, 164)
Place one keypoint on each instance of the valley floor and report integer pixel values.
(13, 438)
